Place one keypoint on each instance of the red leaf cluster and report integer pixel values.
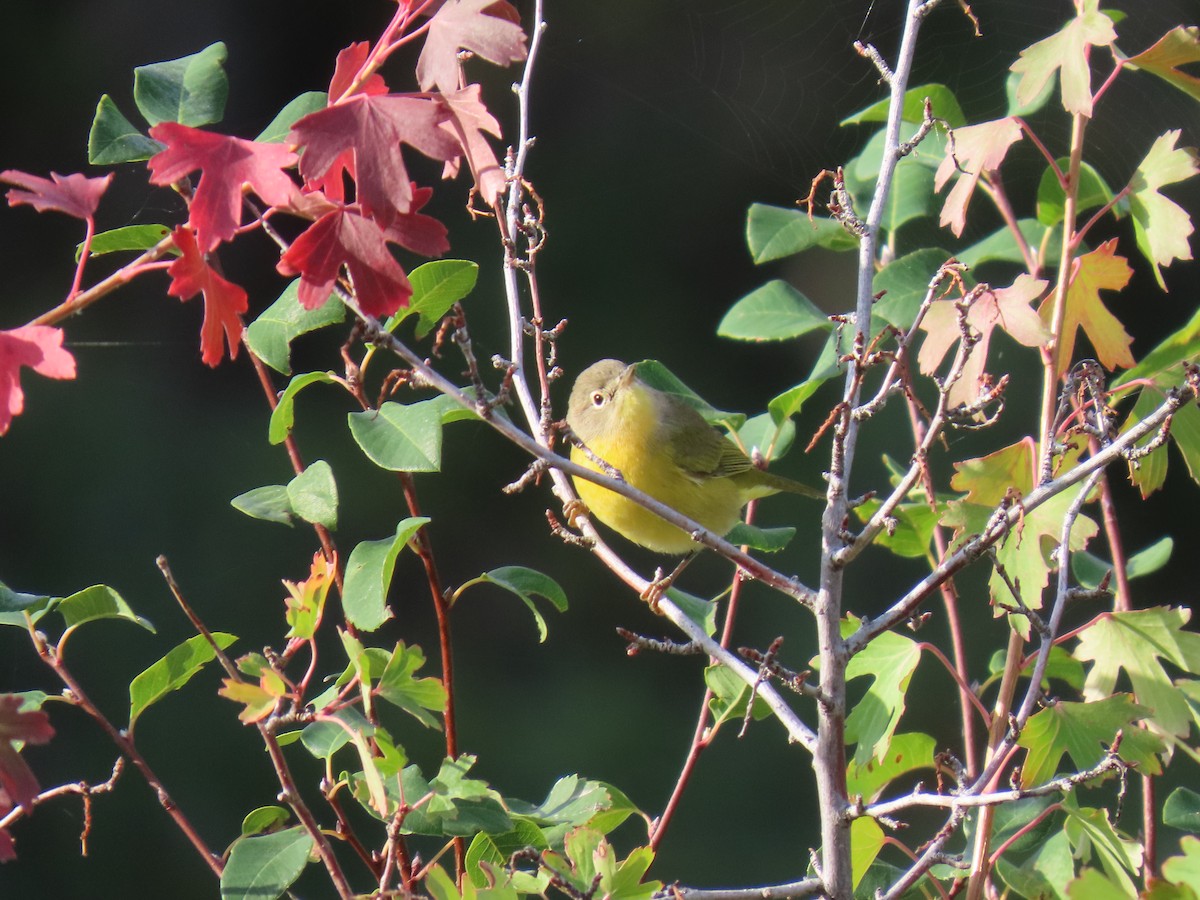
(224, 301)
(18, 786)
(38, 347)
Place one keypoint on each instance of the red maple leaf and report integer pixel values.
(373, 128)
(344, 237)
(488, 28)
(39, 347)
(228, 166)
(224, 301)
(468, 121)
(76, 195)
(417, 232)
(349, 64)
(18, 786)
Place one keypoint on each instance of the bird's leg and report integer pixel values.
(655, 589)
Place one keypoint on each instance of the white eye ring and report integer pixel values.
(598, 398)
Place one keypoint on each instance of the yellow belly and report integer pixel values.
(715, 503)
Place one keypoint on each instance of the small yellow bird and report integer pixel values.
(664, 447)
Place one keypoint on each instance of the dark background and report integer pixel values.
(657, 125)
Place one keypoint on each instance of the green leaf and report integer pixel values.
(1065, 52)
(773, 232)
(416, 696)
(130, 237)
(190, 90)
(791, 401)
(730, 696)
(1184, 870)
(1052, 199)
(912, 533)
(1136, 642)
(659, 377)
(1092, 835)
(459, 806)
(114, 139)
(1162, 226)
(1032, 104)
(1089, 569)
(905, 282)
(98, 602)
(437, 286)
(890, 661)
(905, 753)
(941, 98)
(526, 584)
(369, 574)
(866, 840)
(1164, 364)
(262, 867)
(399, 437)
(297, 108)
(14, 605)
(774, 312)
(767, 435)
(702, 612)
(1083, 731)
(324, 738)
(1001, 246)
(172, 672)
(284, 415)
(269, 337)
(769, 540)
(264, 820)
(313, 495)
(1182, 810)
(269, 503)
(911, 197)
(497, 850)
(1047, 867)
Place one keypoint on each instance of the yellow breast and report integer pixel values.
(642, 459)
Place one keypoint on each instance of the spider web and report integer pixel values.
(760, 85)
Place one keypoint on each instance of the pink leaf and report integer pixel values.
(344, 237)
(487, 28)
(38, 347)
(228, 166)
(1009, 308)
(76, 195)
(468, 121)
(373, 128)
(978, 149)
(224, 301)
(18, 786)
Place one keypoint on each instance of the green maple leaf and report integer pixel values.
(1161, 225)
(1091, 273)
(1137, 642)
(1025, 551)
(1179, 46)
(1066, 52)
(1083, 731)
(890, 660)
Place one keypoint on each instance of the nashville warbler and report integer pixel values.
(661, 445)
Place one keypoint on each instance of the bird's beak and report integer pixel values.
(627, 376)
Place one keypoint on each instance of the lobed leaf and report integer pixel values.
(400, 437)
(369, 574)
(114, 139)
(270, 336)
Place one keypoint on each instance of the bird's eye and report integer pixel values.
(598, 398)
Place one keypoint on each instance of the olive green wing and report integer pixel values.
(697, 448)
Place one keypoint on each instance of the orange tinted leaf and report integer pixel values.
(1179, 46)
(987, 479)
(1091, 273)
